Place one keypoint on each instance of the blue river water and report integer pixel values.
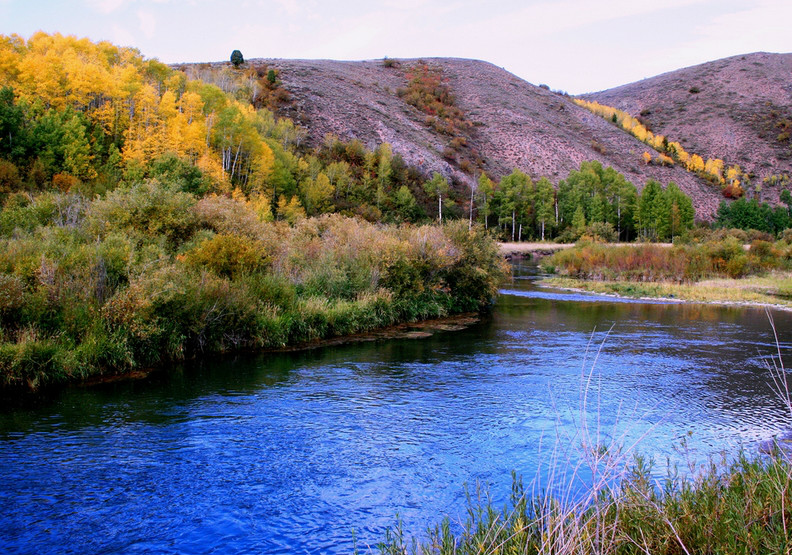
(319, 451)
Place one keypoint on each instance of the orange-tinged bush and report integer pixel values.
(228, 255)
(680, 263)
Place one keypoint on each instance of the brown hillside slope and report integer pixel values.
(738, 109)
(515, 124)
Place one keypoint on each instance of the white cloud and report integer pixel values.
(290, 7)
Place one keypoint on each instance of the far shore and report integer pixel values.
(544, 248)
(540, 248)
(747, 292)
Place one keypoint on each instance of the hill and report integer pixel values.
(513, 123)
(738, 109)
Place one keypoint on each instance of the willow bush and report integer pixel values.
(149, 274)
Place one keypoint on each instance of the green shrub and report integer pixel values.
(601, 231)
(10, 181)
(147, 275)
(12, 298)
(683, 262)
(148, 209)
(30, 361)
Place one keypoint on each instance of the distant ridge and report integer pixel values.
(517, 124)
(738, 109)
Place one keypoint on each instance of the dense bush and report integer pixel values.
(149, 274)
(680, 263)
(751, 215)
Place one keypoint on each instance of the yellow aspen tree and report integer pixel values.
(262, 206)
(191, 105)
(12, 49)
(733, 174)
(262, 163)
(209, 163)
(714, 167)
(41, 73)
(291, 210)
(143, 138)
(696, 163)
(665, 160)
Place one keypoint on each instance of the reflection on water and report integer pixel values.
(292, 452)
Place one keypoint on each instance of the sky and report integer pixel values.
(572, 45)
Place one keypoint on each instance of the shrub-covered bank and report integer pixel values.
(149, 274)
(727, 258)
(737, 508)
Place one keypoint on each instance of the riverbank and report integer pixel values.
(540, 249)
(113, 296)
(521, 250)
(406, 330)
(737, 507)
(772, 291)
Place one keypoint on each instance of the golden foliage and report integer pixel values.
(152, 107)
(669, 151)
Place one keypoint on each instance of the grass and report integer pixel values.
(738, 506)
(773, 289)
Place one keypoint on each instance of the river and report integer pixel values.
(309, 452)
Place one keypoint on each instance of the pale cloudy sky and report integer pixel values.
(572, 45)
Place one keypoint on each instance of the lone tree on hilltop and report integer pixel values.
(236, 58)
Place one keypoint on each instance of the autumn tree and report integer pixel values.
(317, 194)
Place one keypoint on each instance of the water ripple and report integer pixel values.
(292, 453)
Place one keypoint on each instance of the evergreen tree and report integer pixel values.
(236, 58)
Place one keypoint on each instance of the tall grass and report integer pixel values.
(737, 506)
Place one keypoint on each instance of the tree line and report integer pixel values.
(592, 200)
